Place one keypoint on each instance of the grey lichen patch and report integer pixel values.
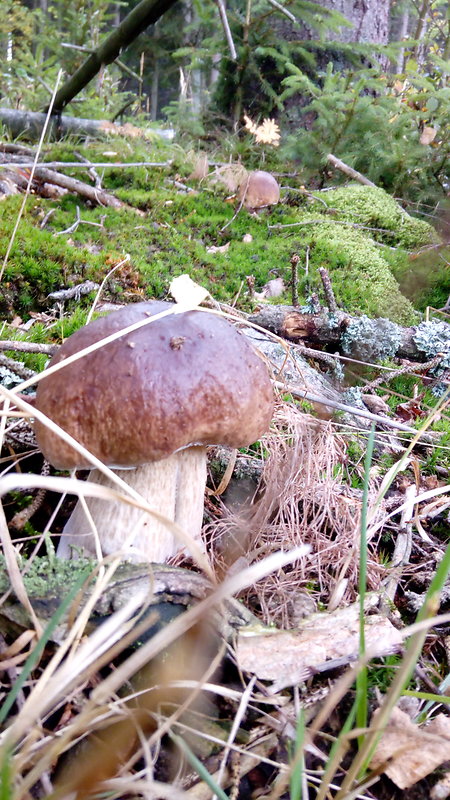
(47, 578)
(371, 340)
(352, 395)
(433, 338)
(373, 207)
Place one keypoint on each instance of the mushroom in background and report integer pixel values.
(258, 190)
(148, 404)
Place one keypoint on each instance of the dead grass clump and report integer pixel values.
(304, 501)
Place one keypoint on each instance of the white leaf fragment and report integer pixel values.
(186, 293)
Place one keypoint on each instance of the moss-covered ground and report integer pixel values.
(360, 234)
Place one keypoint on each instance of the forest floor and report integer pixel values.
(327, 678)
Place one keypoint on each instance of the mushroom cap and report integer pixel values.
(189, 378)
(259, 189)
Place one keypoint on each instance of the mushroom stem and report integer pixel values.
(174, 487)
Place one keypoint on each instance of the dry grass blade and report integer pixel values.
(304, 500)
(14, 573)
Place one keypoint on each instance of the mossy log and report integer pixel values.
(167, 590)
(359, 337)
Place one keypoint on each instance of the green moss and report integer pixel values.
(362, 280)
(176, 229)
(371, 206)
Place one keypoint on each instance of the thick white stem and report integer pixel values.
(174, 487)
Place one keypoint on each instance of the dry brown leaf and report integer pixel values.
(289, 657)
(428, 135)
(412, 752)
(375, 404)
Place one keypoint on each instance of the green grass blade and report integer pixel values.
(361, 678)
(5, 777)
(199, 767)
(298, 766)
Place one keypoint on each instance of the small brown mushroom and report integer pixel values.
(258, 190)
(149, 403)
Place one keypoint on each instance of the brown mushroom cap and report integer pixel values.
(259, 189)
(189, 378)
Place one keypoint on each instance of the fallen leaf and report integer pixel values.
(411, 409)
(247, 238)
(375, 404)
(290, 657)
(186, 293)
(428, 135)
(411, 752)
(220, 248)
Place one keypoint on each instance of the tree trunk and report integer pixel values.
(369, 18)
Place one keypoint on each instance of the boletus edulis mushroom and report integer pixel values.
(258, 190)
(148, 404)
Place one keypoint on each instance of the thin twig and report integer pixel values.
(358, 412)
(74, 292)
(28, 347)
(328, 289)
(413, 367)
(47, 217)
(16, 367)
(238, 208)
(72, 228)
(322, 221)
(20, 519)
(76, 164)
(294, 278)
(284, 11)
(226, 28)
(91, 169)
(352, 173)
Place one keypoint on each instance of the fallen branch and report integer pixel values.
(352, 173)
(74, 292)
(96, 196)
(21, 164)
(354, 336)
(28, 347)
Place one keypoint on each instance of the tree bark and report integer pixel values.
(144, 14)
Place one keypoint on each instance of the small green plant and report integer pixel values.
(376, 124)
